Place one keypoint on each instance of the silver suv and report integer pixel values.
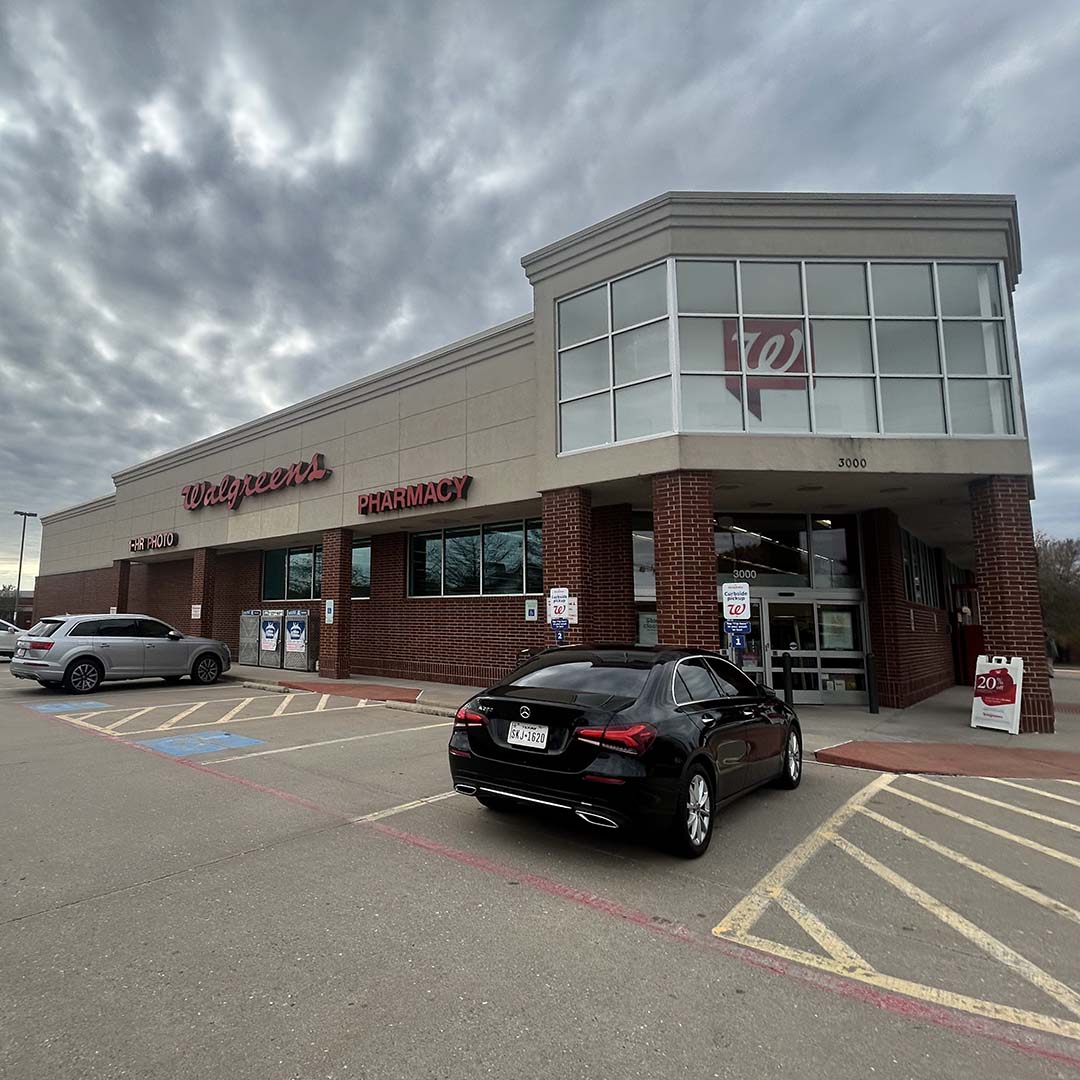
(80, 652)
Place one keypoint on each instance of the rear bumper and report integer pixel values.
(22, 668)
(640, 802)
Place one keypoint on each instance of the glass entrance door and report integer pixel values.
(792, 628)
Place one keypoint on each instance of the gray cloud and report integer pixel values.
(210, 210)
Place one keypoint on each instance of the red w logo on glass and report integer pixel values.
(773, 347)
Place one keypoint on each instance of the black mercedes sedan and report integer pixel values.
(626, 737)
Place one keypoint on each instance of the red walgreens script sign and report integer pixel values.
(448, 489)
(996, 687)
(232, 490)
(774, 348)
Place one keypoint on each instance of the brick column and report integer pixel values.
(886, 603)
(568, 554)
(121, 583)
(611, 597)
(203, 575)
(335, 641)
(684, 531)
(1008, 583)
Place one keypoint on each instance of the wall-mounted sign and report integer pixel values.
(232, 490)
(154, 542)
(448, 489)
(532, 610)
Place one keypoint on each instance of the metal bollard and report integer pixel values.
(789, 692)
(871, 682)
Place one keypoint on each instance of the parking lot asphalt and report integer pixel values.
(236, 883)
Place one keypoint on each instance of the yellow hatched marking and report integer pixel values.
(322, 703)
(837, 949)
(248, 719)
(1005, 881)
(283, 706)
(1034, 845)
(235, 709)
(1034, 790)
(989, 944)
(1051, 1025)
(131, 716)
(174, 720)
(997, 802)
(329, 742)
(747, 912)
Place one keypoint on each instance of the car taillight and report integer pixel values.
(467, 717)
(41, 646)
(625, 738)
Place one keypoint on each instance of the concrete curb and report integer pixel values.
(420, 707)
(273, 688)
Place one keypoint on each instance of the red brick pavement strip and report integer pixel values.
(954, 759)
(369, 691)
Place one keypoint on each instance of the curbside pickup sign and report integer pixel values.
(736, 597)
(999, 683)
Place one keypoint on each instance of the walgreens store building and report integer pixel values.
(817, 394)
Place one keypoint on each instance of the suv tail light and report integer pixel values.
(467, 717)
(625, 738)
(40, 646)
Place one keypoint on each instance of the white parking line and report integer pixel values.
(235, 709)
(322, 703)
(1033, 790)
(284, 704)
(997, 802)
(181, 716)
(124, 719)
(329, 742)
(389, 812)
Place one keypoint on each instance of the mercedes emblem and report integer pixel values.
(524, 712)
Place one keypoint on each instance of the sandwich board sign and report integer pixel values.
(999, 684)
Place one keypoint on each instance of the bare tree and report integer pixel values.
(1059, 585)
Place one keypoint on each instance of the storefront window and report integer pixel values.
(292, 574)
(300, 574)
(274, 574)
(644, 554)
(505, 558)
(837, 348)
(770, 550)
(834, 542)
(361, 569)
(922, 571)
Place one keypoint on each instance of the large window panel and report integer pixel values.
(586, 422)
(845, 406)
(777, 404)
(461, 562)
(903, 289)
(969, 290)
(908, 348)
(706, 287)
(771, 288)
(708, 344)
(361, 569)
(425, 564)
(301, 573)
(534, 557)
(835, 545)
(912, 407)
(584, 369)
(639, 297)
(274, 566)
(774, 346)
(644, 553)
(583, 317)
(975, 348)
(773, 546)
(504, 551)
(711, 403)
(644, 409)
(842, 346)
(836, 289)
(980, 407)
(642, 353)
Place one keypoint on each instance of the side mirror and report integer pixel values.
(175, 635)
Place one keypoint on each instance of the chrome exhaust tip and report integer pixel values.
(465, 789)
(596, 819)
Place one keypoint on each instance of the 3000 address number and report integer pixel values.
(851, 463)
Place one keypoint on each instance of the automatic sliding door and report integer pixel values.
(793, 629)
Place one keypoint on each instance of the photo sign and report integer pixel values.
(999, 683)
(736, 597)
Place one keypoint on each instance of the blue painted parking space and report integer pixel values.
(68, 706)
(190, 745)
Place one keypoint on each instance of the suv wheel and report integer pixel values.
(206, 671)
(83, 677)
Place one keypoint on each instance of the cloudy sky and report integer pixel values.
(211, 210)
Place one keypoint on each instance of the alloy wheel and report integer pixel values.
(794, 757)
(698, 810)
(207, 670)
(84, 677)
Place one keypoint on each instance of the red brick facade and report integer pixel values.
(203, 591)
(122, 589)
(78, 593)
(611, 588)
(163, 590)
(335, 642)
(568, 555)
(687, 612)
(911, 642)
(1008, 582)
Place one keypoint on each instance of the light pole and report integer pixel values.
(24, 514)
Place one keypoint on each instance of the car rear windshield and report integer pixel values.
(585, 678)
(45, 628)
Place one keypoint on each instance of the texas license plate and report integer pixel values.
(534, 736)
